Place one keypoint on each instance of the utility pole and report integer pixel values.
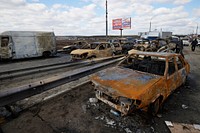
(150, 26)
(197, 30)
(106, 20)
(150, 22)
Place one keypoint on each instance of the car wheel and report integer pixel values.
(46, 54)
(155, 107)
(91, 58)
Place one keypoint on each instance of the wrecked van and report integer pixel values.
(143, 80)
(26, 44)
(96, 50)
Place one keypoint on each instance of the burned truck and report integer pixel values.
(26, 44)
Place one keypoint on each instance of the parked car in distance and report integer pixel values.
(198, 42)
(117, 48)
(126, 47)
(186, 42)
(142, 45)
(143, 80)
(95, 50)
(68, 49)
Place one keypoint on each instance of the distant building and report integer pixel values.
(155, 34)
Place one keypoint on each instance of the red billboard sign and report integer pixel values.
(121, 23)
(117, 24)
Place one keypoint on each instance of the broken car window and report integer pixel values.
(172, 68)
(179, 63)
(93, 46)
(149, 64)
(4, 41)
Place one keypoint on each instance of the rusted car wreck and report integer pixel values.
(143, 80)
(96, 50)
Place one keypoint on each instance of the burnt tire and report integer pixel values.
(91, 57)
(154, 107)
(46, 54)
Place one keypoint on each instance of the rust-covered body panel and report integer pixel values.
(126, 88)
(126, 82)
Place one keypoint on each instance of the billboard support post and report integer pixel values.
(121, 32)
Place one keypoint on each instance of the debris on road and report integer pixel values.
(110, 122)
(169, 123)
(196, 126)
(184, 106)
(93, 100)
(182, 127)
(114, 112)
(128, 130)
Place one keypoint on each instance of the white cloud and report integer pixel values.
(181, 2)
(196, 12)
(35, 0)
(86, 20)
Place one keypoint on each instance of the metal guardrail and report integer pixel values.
(18, 93)
(32, 70)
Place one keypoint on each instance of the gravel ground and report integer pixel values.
(72, 112)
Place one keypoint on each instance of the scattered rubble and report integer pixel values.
(184, 106)
(196, 126)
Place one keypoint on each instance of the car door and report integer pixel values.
(182, 74)
(172, 75)
(104, 51)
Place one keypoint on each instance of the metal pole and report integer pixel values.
(197, 29)
(150, 26)
(106, 20)
(121, 32)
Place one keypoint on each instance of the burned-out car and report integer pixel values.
(142, 45)
(143, 80)
(68, 49)
(95, 50)
(117, 48)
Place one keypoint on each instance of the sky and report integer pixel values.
(87, 17)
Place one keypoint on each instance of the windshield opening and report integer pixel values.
(93, 46)
(150, 64)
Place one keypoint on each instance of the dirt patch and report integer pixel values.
(73, 113)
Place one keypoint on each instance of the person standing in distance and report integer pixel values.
(194, 43)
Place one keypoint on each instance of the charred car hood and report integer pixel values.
(122, 81)
(81, 51)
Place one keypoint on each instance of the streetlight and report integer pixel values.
(150, 23)
(106, 20)
(197, 26)
(197, 29)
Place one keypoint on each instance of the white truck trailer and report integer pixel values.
(26, 44)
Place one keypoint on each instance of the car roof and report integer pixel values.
(100, 42)
(68, 46)
(159, 54)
